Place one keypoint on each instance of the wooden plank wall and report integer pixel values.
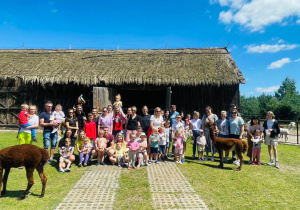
(102, 97)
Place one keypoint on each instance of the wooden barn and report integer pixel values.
(189, 78)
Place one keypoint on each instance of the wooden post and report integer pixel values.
(168, 98)
(102, 97)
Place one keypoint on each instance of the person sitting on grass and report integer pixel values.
(85, 152)
(100, 146)
(64, 152)
(154, 140)
(61, 144)
(120, 154)
(119, 139)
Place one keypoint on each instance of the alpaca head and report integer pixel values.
(292, 124)
(209, 125)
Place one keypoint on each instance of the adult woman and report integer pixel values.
(105, 120)
(236, 129)
(167, 115)
(252, 126)
(271, 131)
(25, 133)
(110, 110)
(209, 147)
(132, 123)
(223, 128)
(72, 124)
(195, 126)
(156, 121)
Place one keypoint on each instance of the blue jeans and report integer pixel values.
(33, 135)
(195, 134)
(49, 137)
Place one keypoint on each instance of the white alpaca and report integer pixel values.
(286, 132)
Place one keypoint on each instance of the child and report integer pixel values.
(154, 139)
(57, 117)
(162, 143)
(23, 121)
(179, 145)
(201, 142)
(64, 152)
(90, 129)
(118, 102)
(138, 133)
(256, 147)
(168, 135)
(187, 121)
(133, 147)
(100, 146)
(84, 152)
(120, 154)
(142, 151)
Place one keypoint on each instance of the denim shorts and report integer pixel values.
(162, 149)
(48, 138)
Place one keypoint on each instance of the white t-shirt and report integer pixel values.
(196, 124)
(157, 123)
(176, 126)
(163, 139)
(33, 120)
(201, 140)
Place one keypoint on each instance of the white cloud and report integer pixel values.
(280, 41)
(278, 64)
(298, 60)
(255, 15)
(266, 48)
(268, 89)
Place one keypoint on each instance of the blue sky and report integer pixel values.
(263, 34)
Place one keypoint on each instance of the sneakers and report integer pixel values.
(237, 163)
(193, 157)
(67, 170)
(99, 163)
(258, 163)
(277, 164)
(79, 165)
(61, 170)
(54, 130)
(34, 140)
(150, 161)
(51, 160)
(84, 165)
(58, 138)
(271, 163)
(133, 167)
(206, 159)
(138, 166)
(250, 161)
(182, 160)
(156, 161)
(119, 165)
(212, 159)
(225, 160)
(253, 163)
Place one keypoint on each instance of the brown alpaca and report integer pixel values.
(227, 144)
(30, 156)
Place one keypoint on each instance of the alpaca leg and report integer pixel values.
(43, 177)
(1, 173)
(5, 180)
(29, 174)
(240, 156)
(221, 157)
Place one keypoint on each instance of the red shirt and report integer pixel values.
(118, 122)
(90, 129)
(23, 117)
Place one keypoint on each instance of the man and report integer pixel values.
(145, 120)
(81, 117)
(109, 151)
(48, 136)
(173, 114)
(118, 119)
(95, 118)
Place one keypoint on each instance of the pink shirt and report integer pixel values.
(142, 144)
(179, 142)
(133, 145)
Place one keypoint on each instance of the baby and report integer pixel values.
(57, 117)
(118, 102)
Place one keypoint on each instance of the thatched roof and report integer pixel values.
(206, 66)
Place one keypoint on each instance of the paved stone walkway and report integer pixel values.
(95, 190)
(170, 189)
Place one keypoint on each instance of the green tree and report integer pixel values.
(287, 89)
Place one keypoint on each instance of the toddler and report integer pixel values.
(84, 152)
(120, 154)
(154, 139)
(57, 117)
(138, 133)
(201, 142)
(178, 141)
(256, 147)
(187, 121)
(23, 121)
(133, 147)
(100, 146)
(162, 143)
(118, 102)
(142, 151)
(64, 152)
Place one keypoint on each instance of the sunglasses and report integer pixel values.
(71, 112)
(233, 112)
(134, 110)
(105, 111)
(157, 111)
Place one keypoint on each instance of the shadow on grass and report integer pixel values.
(17, 194)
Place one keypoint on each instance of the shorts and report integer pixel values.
(200, 148)
(162, 149)
(153, 150)
(62, 159)
(271, 141)
(109, 151)
(48, 138)
(178, 151)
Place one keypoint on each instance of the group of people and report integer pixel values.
(127, 138)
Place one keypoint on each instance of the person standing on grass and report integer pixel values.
(118, 119)
(252, 126)
(25, 133)
(80, 115)
(209, 117)
(173, 114)
(271, 132)
(133, 148)
(195, 127)
(48, 136)
(223, 129)
(145, 120)
(132, 123)
(156, 121)
(72, 124)
(90, 129)
(236, 130)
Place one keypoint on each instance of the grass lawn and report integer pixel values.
(255, 187)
